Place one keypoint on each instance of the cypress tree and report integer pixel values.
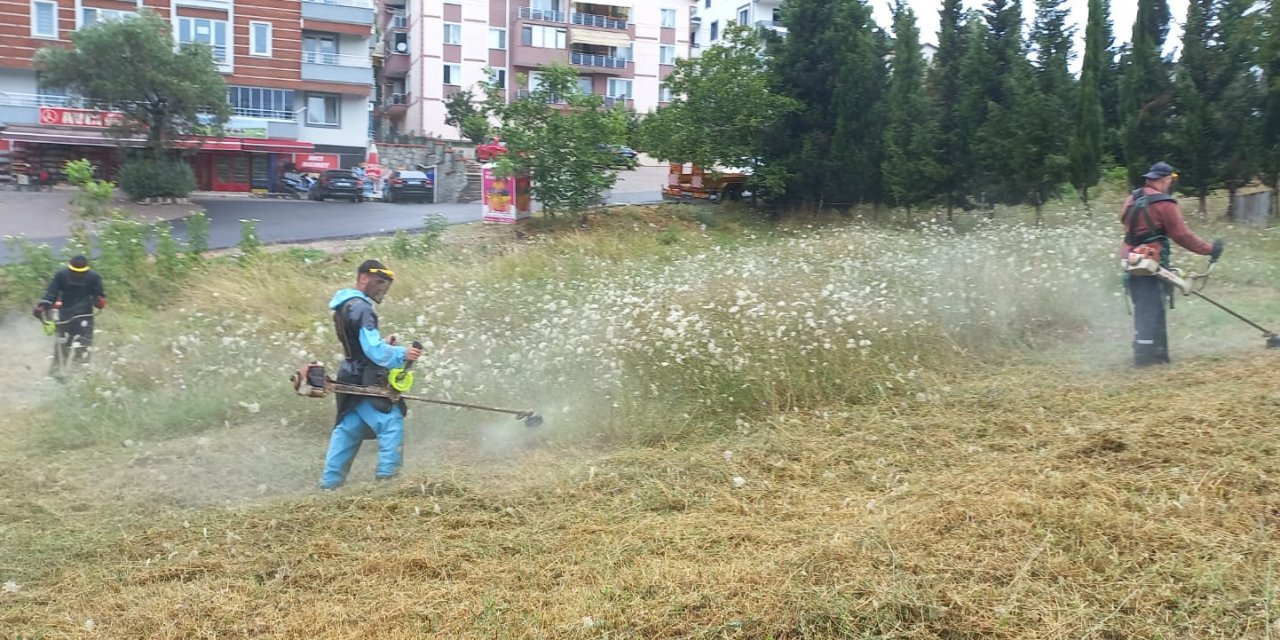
(1235, 113)
(1269, 127)
(977, 74)
(910, 168)
(1042, 135)
(1145, 90)
(1197, 84)
(1090, 128)
(944, 89)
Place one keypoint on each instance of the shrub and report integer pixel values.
(157, 178)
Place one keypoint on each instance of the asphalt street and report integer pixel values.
(285, 221)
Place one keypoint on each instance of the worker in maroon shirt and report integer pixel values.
(1151, 219)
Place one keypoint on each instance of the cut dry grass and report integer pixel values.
(1103, 506)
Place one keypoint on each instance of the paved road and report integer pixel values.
(281, 221)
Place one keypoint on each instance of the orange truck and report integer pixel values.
(687, 181)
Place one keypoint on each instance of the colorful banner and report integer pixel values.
(506, 200)
(90, 118)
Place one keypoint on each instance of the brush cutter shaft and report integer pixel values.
(1266, 333)
(377, 392)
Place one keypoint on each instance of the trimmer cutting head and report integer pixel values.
(1273, 342)
(532, 420)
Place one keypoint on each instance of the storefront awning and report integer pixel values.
(602, 38)
(210, 144)
(275, 145)
(50, 135)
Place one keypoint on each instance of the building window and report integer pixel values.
(323, 110)
(91, 15)
(666, 54)
(744, 15)
(253, 102)
(619, 88)
(205, 31)
(320, 49)
(497, 38)
(664, 93)
(669, 18)
(399, 20)
(453, 74)
(260, 38)
(715, 30)
(452, 33)
(544, 37)
(708, 5)
(586, 85)
(44, 19)
(546, 5)
(498, 78)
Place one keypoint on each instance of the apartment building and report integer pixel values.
(299, 76)
(622, 49)
(708, 19)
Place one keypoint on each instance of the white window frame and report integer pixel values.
(254, 41)
(666, 54)
(35, 23)
(452, 33)
(664, 93)
(451, 74)
(746, 8)
(669, 23)
(715, 31)
(225, 59)
(618, 82)
(337, 112)
(498, 77)
(100, 15)
(560, 37)
(500, 35)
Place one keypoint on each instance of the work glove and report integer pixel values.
(38, 312)
(1217, 251)
(100, 302)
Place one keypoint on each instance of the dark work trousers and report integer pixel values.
(74, 339)
(1150, 337)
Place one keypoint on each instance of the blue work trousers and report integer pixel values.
(351, 431)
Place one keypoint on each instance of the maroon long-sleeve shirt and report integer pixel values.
(1167, 216)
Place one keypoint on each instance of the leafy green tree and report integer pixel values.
(1236, 113)
(131, 66)
(1269, 127)
(1090, 127)
(832, 63)
(995, 142)
(910, 167)
(977, 75)
(560, 136)
(1042, 109)
(462, 112)
(944, 88)
(1198, 84)
(721, 112)
(1145, 90)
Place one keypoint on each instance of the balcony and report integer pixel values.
(600, 22)
(346, 11)
(396, 65)
(24, 108)
(771, 25)
(598, 62)
(396, 104)
(543, 15)
(525, 93)
(336, 67)
(611, 102)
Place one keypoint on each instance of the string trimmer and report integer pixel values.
(1193, 284)
(310, 381)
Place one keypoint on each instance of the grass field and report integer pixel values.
(829, 428)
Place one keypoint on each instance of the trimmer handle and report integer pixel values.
(408, 365)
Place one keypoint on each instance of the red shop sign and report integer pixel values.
(63, 117)
(316, 161)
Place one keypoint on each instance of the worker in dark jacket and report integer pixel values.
(75, 291)
(1151, 219)
(368, 361)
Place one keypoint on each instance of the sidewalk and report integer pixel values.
(47, 214)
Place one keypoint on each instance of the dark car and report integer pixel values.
(622, 155)
(409, 185)
(338, 183)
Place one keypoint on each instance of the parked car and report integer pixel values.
(491, 148)
(337, 183)
(408, 185)
(622, 155)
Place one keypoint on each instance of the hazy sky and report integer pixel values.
(1122, 14)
